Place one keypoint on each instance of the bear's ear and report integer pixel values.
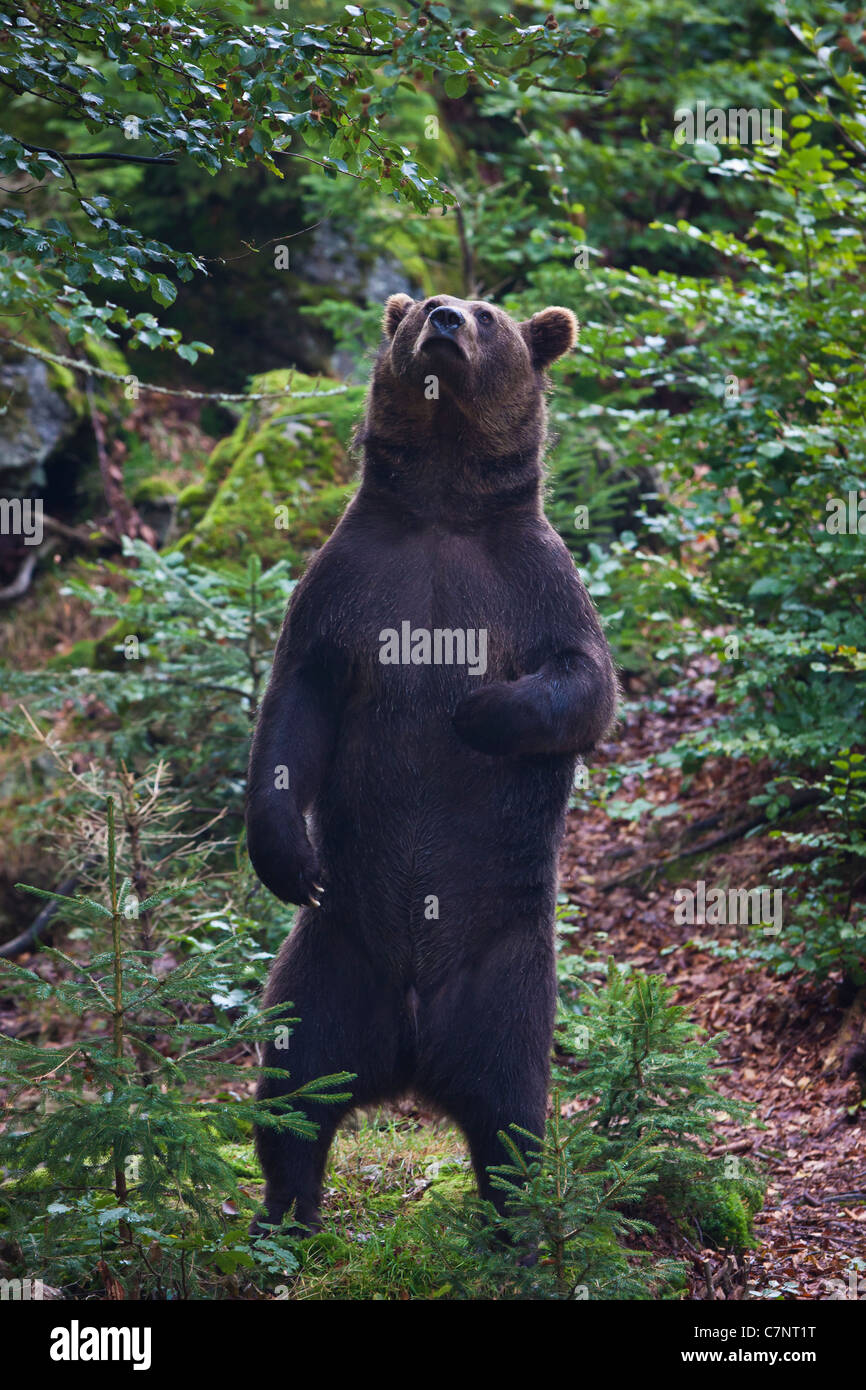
(395, 308)
(549, 334)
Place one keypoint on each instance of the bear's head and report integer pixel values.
(461, 380)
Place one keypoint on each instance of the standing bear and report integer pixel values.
(440, 669)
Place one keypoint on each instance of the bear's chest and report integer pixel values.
(438, 602)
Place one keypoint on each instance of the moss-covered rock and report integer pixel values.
(81, 654)
(275, 487)
(278, 484)
(154, 499)
(154, 490)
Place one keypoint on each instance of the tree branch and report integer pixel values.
(31, 939)
(118, 158)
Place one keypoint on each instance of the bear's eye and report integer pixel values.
(484, 316)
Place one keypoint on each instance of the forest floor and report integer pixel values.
(784, 1040)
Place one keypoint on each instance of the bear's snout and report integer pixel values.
(448, 332)
(446, 320)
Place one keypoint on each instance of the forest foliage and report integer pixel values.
(707, 468)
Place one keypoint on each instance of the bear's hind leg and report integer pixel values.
(486, 1049)
(348, 1023)
(294, 1167)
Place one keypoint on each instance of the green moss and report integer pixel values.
(155, 489)
(278, 484)
(276, 487)
(192, 503)
(82, 654)
(221, 459)
(71, 384)
(98, 654)
(339, 412)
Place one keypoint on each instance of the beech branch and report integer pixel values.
(65, 158)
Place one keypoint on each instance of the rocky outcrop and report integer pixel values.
(36, 421)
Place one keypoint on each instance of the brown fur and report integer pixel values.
(416, 782)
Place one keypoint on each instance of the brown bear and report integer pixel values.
(439, 671)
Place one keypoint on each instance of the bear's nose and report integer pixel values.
(446, 320)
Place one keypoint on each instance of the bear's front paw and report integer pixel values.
(299, 878)
(287, 864)
(496, 719)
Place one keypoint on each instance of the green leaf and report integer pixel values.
(163, 290)
(456, 85)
